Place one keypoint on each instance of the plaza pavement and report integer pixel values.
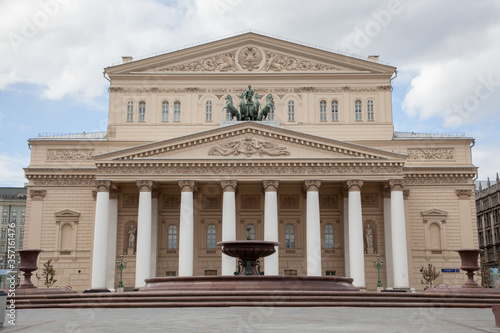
(253, 319)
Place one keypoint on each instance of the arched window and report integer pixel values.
(335, 111)
(290, 236)
(172, 237)
(251, 231)
(228, 115)
(66, 237)
(435, 232)
(211, 236)
(177, 111)
(130, 111)
(357, 110)
(164, 111)
(322, 111)
(329, 237)
(291, 111)
(270, 115)
(369, 110)
(142, 111)
(208, 111)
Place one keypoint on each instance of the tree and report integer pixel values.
(429, 274)
(48, 274)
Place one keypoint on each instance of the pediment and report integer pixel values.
(67, 213)
(249, 141)
(434, 212)
(249, 52)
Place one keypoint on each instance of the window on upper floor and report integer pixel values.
(329, 237)
(177, 111)
(130, 111)
(208, 111)
(370, 114)
(142, 111)
(358, 110)
(270, 115)
(290, 236)
(172, 237)
(211, 236)
(164, 111)
(291, 111)
(335, 111)
(322, 111)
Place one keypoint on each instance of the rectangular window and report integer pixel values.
(210, 272)
(177, 111)
(335, 111)
(290, 272)
(208, 111)
(330, 273)
(358, 111)
(322, 111)
(291, 111)
(369, 110)
(164, 111)
(142, 111)
(170, 273)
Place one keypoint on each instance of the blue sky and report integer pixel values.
(54, 52)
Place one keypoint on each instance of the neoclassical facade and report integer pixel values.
(324, 173)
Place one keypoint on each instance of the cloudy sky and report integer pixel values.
(53, 53)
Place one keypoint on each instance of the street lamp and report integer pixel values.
(378, 264)
(121, 265)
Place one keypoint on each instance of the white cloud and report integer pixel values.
(11, 170)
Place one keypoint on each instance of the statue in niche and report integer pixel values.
(131, 237)
(369, 237)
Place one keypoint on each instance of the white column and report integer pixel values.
(271, 263)
(228, 223)
(154, 233)
(313, 229)
(356, 249)
(112, 237)
(143, 253)
(186, 229)
(398, 231)
(101, 229)
(345, 194)
(386, 192)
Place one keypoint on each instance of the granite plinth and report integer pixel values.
(464, 291)
(228, 283)
(43, 291)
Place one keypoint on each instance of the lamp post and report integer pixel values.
(378, 264)
(121, 265)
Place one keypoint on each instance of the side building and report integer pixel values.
(319, 169)
(488, 220)
(13, 210)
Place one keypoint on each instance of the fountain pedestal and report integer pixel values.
(248, 252)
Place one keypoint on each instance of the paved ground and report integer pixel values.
(253, 320)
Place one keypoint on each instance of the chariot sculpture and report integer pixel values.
(249, 109)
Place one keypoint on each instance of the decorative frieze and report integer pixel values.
(248, 146)
(369, 199)
(211, 202)
(250, 58)
(430, 153)
(62, 180)
(224, 62)
(289, 201)
(328, 202)
(69, 154)
(130, 201)
(439, 179)
(250, 202)
(171, 201)
(278, 62)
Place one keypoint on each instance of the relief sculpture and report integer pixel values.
(249, 147)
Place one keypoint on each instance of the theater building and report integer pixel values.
(319, 169)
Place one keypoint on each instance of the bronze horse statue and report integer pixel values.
(267, 108)
(232, 110)
(254, 112)
(244, 111)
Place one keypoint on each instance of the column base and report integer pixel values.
(88, 291)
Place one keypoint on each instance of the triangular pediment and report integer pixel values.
(249, 53)
(248, 141)
(434, 212)
(67, 213)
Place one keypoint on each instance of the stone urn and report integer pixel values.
(28, 265)
(248, 252)
(470, 265)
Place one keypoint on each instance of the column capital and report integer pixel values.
(37, 195)
(103, 185)
(396, 184)
(114, 191)
(145, 185)
(354, 184)
(187, 185)
(406, 194)
(228, 185)
(312, 185)
(270, 185)
(463, 194)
